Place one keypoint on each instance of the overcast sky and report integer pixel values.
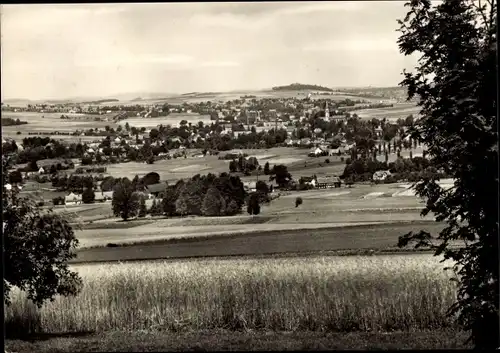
(61, 51)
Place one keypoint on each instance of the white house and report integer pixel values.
(73, 198)
(381, 175)
(41, 170)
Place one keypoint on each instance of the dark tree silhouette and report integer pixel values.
(125, 202)
(455, 84)
(37, 246)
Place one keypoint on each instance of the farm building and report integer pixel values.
(157, 189)
(381, 175)
(325, 182)
(73, 198)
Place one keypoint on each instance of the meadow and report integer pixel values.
(336, 294)
(51, 122)
(399, 110)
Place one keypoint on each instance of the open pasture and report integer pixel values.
(317, 293)
(170, 170)
(49, 122)
(172, 119)
(399, 110)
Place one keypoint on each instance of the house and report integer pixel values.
(381, 175)
(318, 151)
(250, 186)
(73, 198)
(41, 170)
(157, 189)
(325, 182)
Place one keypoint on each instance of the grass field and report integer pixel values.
(227, 340)
(339, 294)
(172, 119)
(399, 110)
(242, 240)
(51, 122)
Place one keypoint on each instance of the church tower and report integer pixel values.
(327, 111)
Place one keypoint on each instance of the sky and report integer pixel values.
(99, 50)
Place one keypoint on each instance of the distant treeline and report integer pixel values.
(102, 101)
(300, 86)
(12, 122)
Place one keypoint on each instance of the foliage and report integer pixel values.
(282, 176)
(142, 207)
(151, 178)
(88, 195)
(213, 203)
(168, 202)
(125, 201)
(156, 208)
(181, 204)
(457, 42)
(298, 201)
(37, 246)
(253, 206)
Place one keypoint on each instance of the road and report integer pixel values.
(376, 236)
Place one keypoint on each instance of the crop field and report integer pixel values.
(399, 110)
(48, 122)
(172, 119)
(378, 293)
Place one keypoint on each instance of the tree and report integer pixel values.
(262, 187)
(181, 205)
(151, 178)
(168, 204)
(88, 195)
(142, 207)
(253, 206)
(455, 84)
(266, 168)
(213, 203)
(37, 246)
(233, 166)
(156, 208)
(125, 201)
(232, 208)
(108, 183)
(282, 175)
(15, 177)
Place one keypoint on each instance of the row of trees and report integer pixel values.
(206, 195)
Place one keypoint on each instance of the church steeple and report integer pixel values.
(327, 111)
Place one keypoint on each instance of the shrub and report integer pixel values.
(142, 207)
(253, 206)
(88, 195)
(327, 161)
(298, 201)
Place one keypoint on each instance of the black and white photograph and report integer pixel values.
(250, 176)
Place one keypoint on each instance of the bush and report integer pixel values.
(253, 206)
(88, 196)
(327, 161)
(298, 201)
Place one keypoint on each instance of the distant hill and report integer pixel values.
(302, 87)
(100, 101)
